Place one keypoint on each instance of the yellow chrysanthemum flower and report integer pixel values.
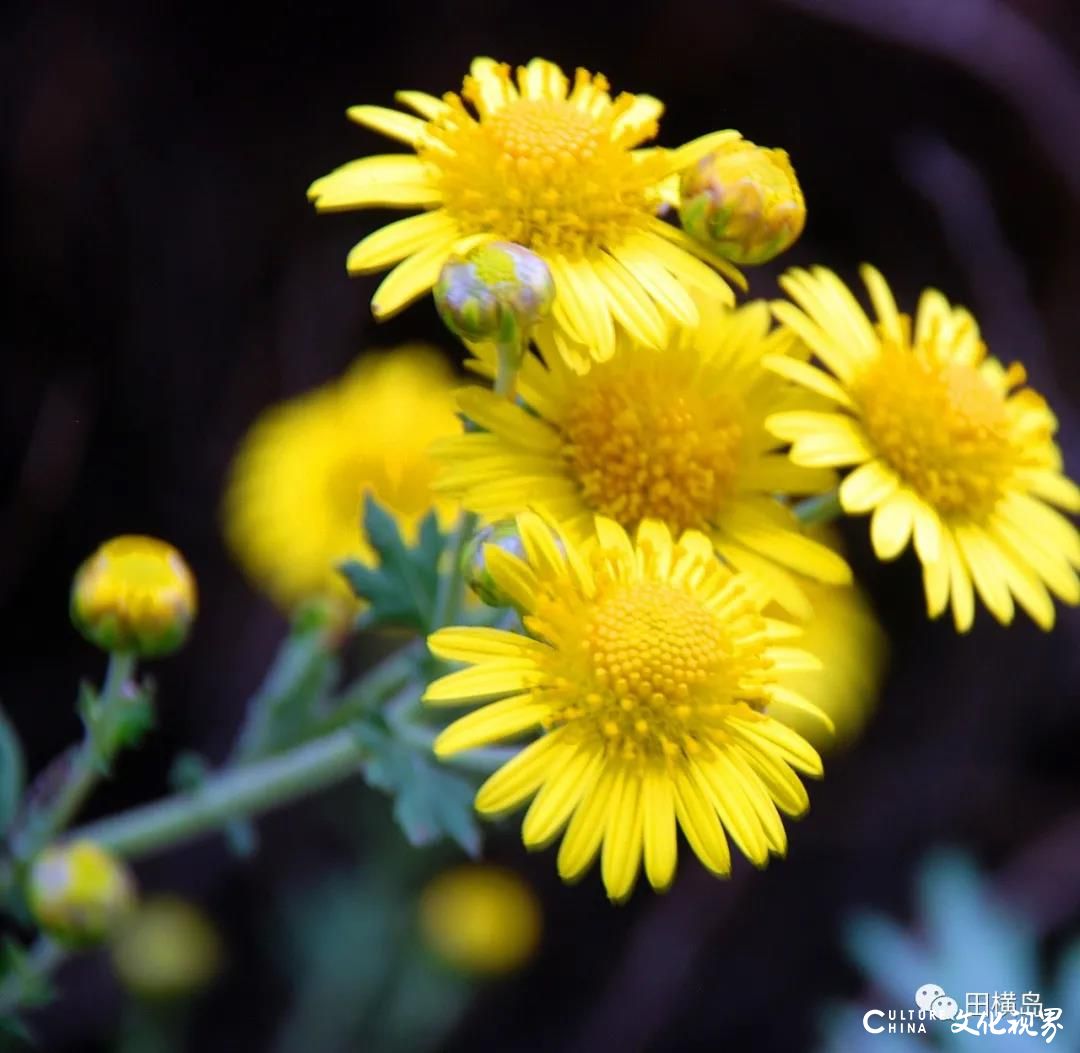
(549, 165)
(676, 435)
(951, 449)
(480, 919)
(293, 503)
(846, 638)
(649, 665)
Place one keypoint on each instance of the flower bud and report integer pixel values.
(165, 949)
(743, 202)
(79, 892)
(480, 919)
(474, 566)
(496, 293)
(134, 594)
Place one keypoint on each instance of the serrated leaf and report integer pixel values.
(400, 590)
(12, 773)
(430, 801)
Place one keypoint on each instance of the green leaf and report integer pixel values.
(113, 724)
(430, 801)
(400, 590)
(12, 773)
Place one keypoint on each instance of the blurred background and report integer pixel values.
(164, 280)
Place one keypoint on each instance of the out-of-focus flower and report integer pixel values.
(844, 635)
(134, 594)
(547, 164)
(78, 892)
(951, 449)
(743, 202)
(650, 668)
(481, 919)
(166, 948)
(676, 435)
(293, 502)
(496, 292)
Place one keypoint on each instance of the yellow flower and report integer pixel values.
(79, 892)
(165, 949)
(480, 919)
(134, 594)
(951, 449)
(743, 201)
(293, 503)
(552, 166)
(676, 435)
(845, 637)
(649, 665)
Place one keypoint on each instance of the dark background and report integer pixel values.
(163, 278)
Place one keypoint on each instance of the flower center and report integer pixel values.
(543, 173)
(639, 449)
(655, 668)
(941, 426)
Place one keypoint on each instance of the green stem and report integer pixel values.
(823, 508)
(83, 771)
(243, 791)
(450, 593)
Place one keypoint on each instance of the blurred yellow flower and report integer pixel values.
(481, 919)
(649, 666)
(134, 594)
(552, 166)
(676, 435)
(293, 502)
(166, 948)
(949, 447)
(844, 635)
(78, 892)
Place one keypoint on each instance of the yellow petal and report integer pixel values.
(586, 829)
(621, 854)
(397, 125)
(868, 486)
(397, 240)
(560, 795)
(522, 775)
(490, 724)
(658, 807)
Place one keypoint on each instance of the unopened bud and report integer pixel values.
(495, 293)
(79, 892)
(474, 564)
(134, 594)
(743, 202)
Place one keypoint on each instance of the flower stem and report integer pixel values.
(233, 794)
(83, 772)
(823, 508)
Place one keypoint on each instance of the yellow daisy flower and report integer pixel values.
(293, 502)
(547, 164)
(676, 435)
(648, 665)
(951, 449)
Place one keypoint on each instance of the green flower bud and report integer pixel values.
(743, 202)
(495, 293)
(78, 892)
(134, 594)
(474, 566)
